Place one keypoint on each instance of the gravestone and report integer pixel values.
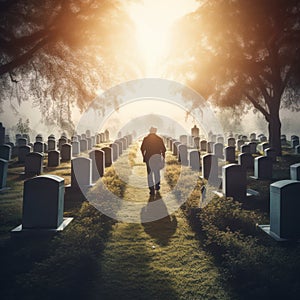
(81, 173)
(218, 150)
(39, 138)
(53, 158)
(66, 152)
(106, 135)
(183, 155)
(83, 145)
(124, 141)
(234, 181)
(245, 148)
(175, 148)
(231, 142)
(22, 152)
(246, 160)
(271, 153)
(22, 142)
(203, 145)
(262, 167)
(3, 173)
(197, 142)
(252, 136)
(244, 138)
(195, 131)
(239, 143)
(38, 147)
(263, 139)
(93, 138)
(74, 138)
(2, 134)
(115, 151)
(62, 141)
(220, 140)
(183, 139)
(194, 156)
(98, 139)
(102, 137)
(83, 136)
(252, 146)
(120, 146)
(229, 153)
(51, 144)
(75, 148)
(107, 156)
(295, 172)
(89, 143)
(210, 147)
(284, 209)
(88, 133)
(98, 163)
(294, 141)
(213, 138)
(43, 202)
(5, 152)
(297, 149)
(33, 164)
(210, 168)
(283, 140)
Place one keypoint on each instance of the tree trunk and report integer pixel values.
(275, 132)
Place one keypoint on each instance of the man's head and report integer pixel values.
(153, 129)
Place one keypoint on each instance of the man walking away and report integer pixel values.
(153, 151)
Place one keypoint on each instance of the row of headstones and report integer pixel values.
(43, 197)
(192, 157)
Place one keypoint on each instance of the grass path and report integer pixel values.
(156, 260)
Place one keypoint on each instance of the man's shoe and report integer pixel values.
(152, 192)
(157, 187)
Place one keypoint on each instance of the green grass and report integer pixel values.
(208, 249)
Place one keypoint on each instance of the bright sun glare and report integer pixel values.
(153, 20)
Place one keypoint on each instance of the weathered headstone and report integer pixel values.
(210, 147)
(263, 167)
(245, 148)
(196, 142)
(61, 141)
(246, 160)
(66, 152)
(239, 143)
(38, 147)
(3, 173)
(83, 145)
(183, 139)
(203, 145)
(218, 150)
(107, 156)
(234, 181)
(98, 163)
(106, 135)
(75, 148)
(81, 173)
(39, 138)
(51, 144)
(22, 142)
(195, 131)
(194, 156)
(231, 142)
(295, 172)
(284, 209)
(297, 149)
(43, 202)
(5, 152)
(89, 143)
(252, 146)
(115, 151)
(33, 164)
(229, 153)
(53, 158)
(183, 155)
(252, 136)
(210, 168)
(271, 153)
(22, 152)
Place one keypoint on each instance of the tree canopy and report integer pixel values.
(58, 53)
(238, 52)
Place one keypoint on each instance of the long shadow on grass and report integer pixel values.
(163, 229)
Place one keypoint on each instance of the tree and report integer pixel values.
(241, 53)
(61, 52)
(23, 127)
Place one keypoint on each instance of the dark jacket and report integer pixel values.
(152, 144)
